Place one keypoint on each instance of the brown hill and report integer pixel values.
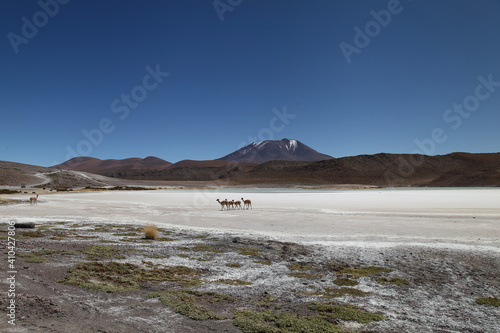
(187, 170)
(15, 174)
(206, 164)
(457, 169)
(18, 175)
(111, 166)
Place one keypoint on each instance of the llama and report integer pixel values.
(223, 204)
(34, 200)
(247, 203)
(237, 204)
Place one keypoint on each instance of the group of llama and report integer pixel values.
(227, 205)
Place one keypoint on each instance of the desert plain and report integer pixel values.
(277, 267)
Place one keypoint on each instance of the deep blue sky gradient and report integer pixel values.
(226, 77)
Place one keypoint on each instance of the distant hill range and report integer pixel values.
(386, 170)
(456, 169)
(290, 162)
(275, 150)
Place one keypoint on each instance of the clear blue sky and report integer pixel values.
(87, 67)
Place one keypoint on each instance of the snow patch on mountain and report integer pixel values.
(292, 146)
(260, 145)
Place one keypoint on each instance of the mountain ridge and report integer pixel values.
(384, 170)
(289, 162)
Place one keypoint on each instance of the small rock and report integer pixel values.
(27, 225)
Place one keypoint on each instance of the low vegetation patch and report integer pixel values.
(96, 252)
(267, 301)
(304, 275)
(135, 240)
(59, 236)
(234, 282)
(269, 322)
(35, 233)
(203, 258)
(188, 302)
(204, 248)
(129, 188)
(33, 258)
(110, 277)
(9, 192)
(301, 271)
(365, 271)
(345, 282)
(333, 292)
(396, 281)
(165, 239)
(234, 265)
(158, 256)
(345, 312)
(102, 228)
(130, 233)
(47, 252)
(494, 301)
(86, 237)
(37, 257)
(249, 251)
(118, 277)
(299, 267)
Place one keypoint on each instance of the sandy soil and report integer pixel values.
(444, 243)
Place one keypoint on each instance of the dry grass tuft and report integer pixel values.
(150, 232)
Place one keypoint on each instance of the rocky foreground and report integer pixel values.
(94, 277)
